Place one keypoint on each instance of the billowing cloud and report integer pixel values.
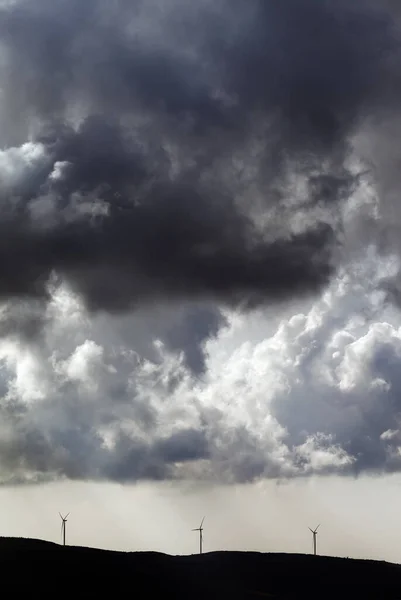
(184, 151)
(281, 397)
(165, 168)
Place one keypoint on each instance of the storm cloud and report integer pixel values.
(199, 239)
(146, 119)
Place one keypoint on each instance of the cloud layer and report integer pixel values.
(165, 169)
(290, 395)
(165, 165)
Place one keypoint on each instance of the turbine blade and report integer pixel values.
(311, 530)
(317, 527)
(65, 518)
(202, 523)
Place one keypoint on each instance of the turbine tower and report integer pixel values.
(63, 522)
(200, 529)
(314, 533)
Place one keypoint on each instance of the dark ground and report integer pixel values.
(48, 570)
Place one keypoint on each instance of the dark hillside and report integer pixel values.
(33, 566)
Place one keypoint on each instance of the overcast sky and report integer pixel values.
(200, 278)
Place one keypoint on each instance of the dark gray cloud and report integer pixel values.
(197, 325)
(140, 210)
(175, 239)
(165, 138)
(132, 460)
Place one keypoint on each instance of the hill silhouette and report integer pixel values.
(35, 566)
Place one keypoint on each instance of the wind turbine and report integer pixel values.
(200, 529)
(314, 533)
(63, 522)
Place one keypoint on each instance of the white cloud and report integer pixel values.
(318, 453)
(17, 164)
(84, 365)
(390, 434)
(301, 392)
(355, 368)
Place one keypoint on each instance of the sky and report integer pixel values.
(200, 280)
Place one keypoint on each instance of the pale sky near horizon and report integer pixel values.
(200, 274)
(359, 518)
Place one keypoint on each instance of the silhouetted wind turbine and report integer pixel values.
(200, 529)
(314, 533)
(63, 522)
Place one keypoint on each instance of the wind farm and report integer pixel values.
(217, 573)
